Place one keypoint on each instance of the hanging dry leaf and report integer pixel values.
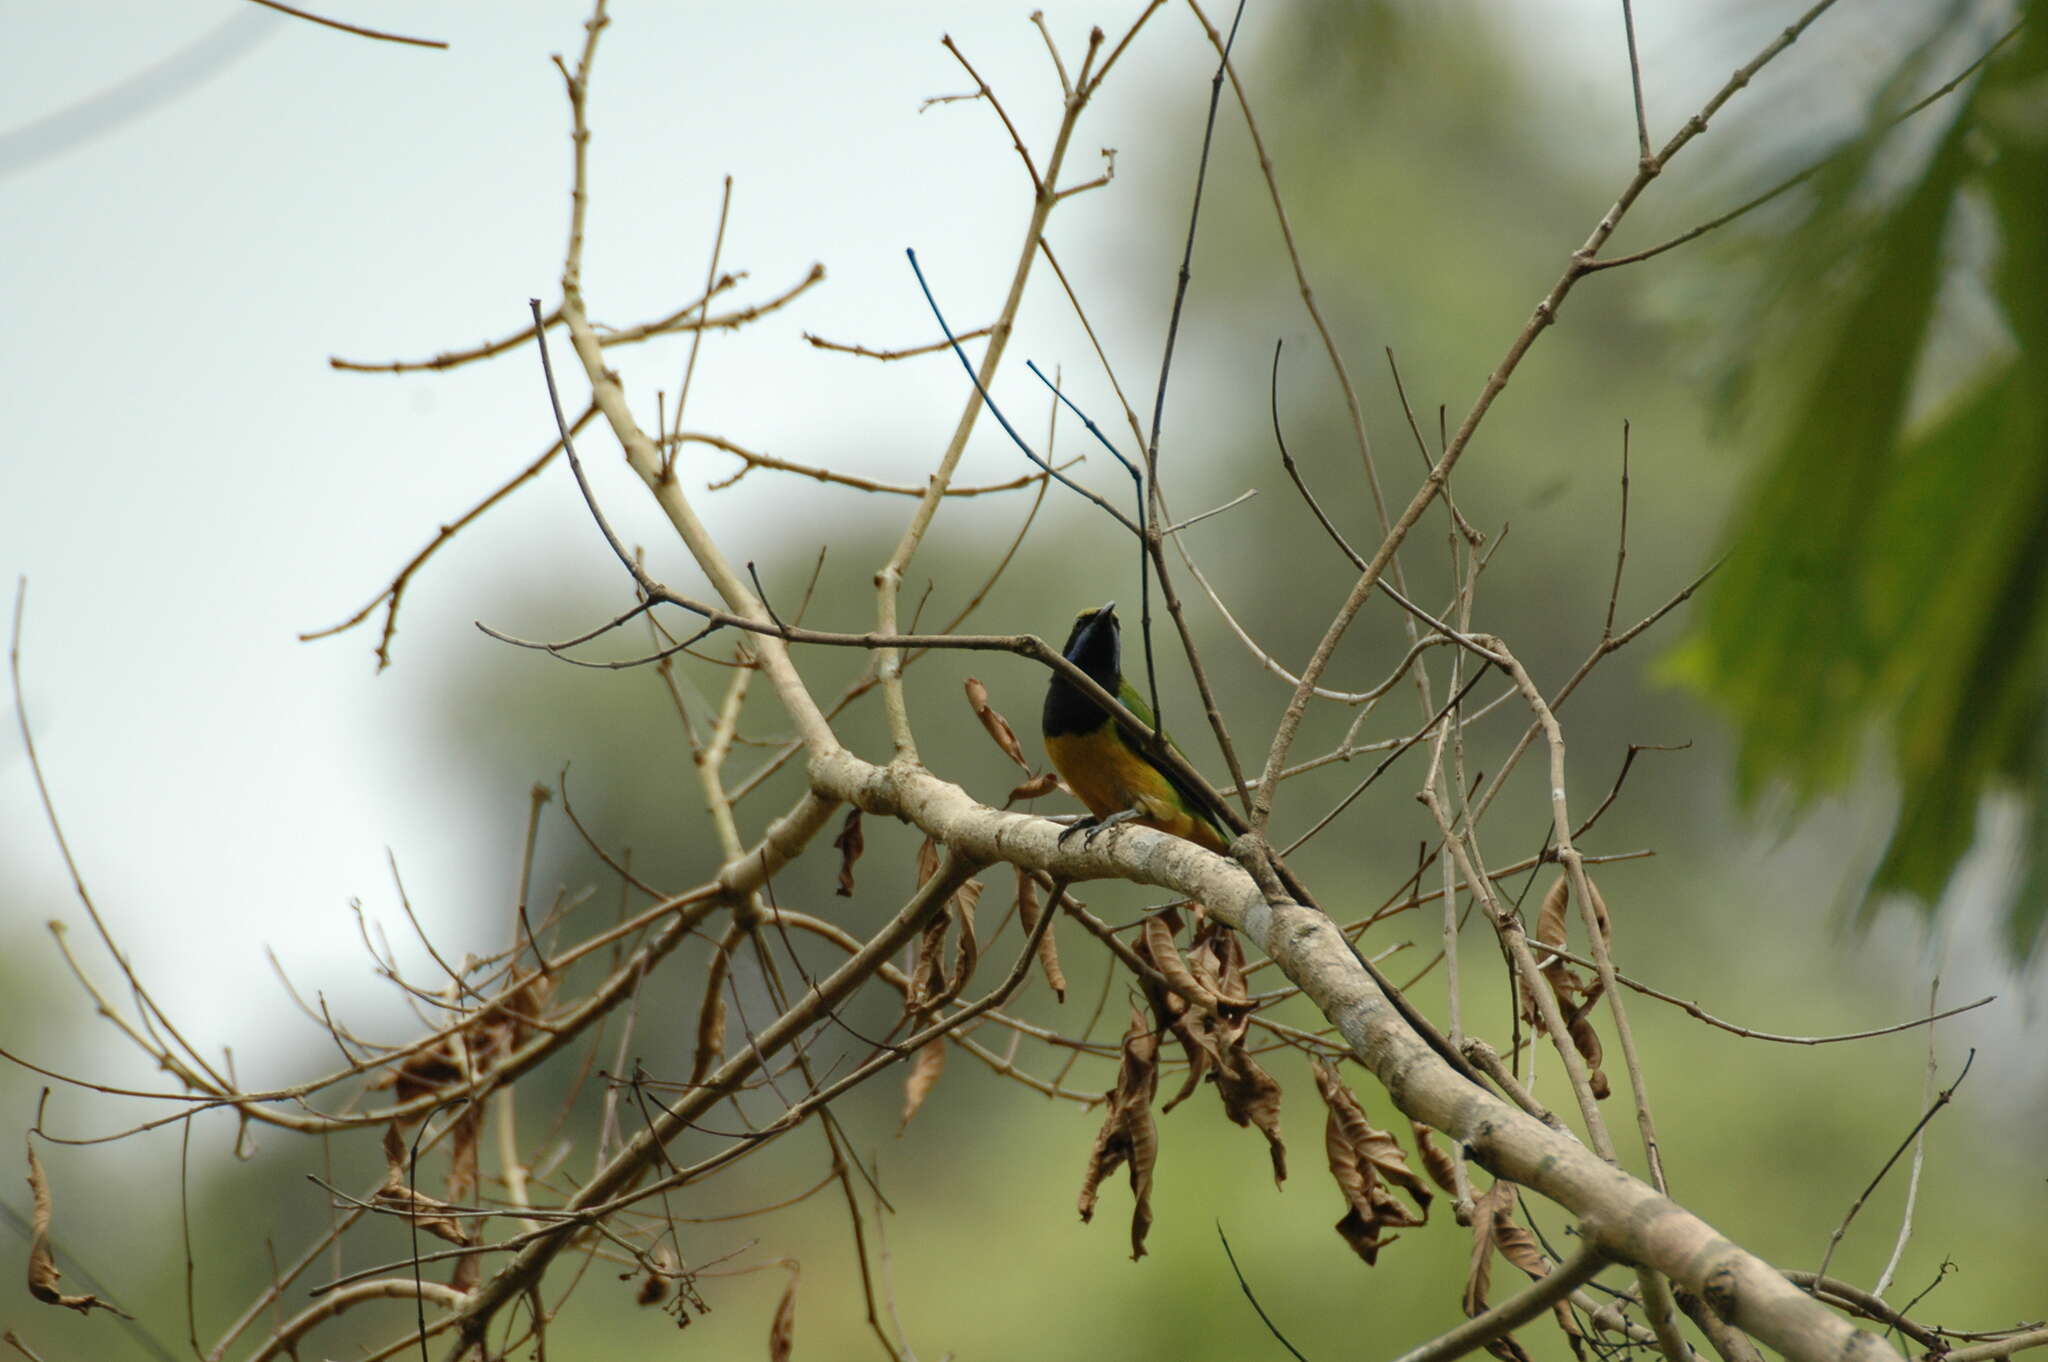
(1550, 928)
(1600, 912)
(423, 1072)
(1519, 1246)
(995, 724)
(850, 843)
(1441, 1167)
(1037, 787)
(1217, 960)
(782, 1332)
(1251, 1097)
(491, 1033)
(928, 968)
(1170, 1005)
(1128, 1134)
(653, 1288)
(1576, 993)
(1507, 1350)
(1048, 948)
(1486, 1210)
(1156, 946)
(399, 1194)
(1495, 1230)
(928, 962)
(1363, 1161)
(925, 1067)
(42, 1264)
(968, 951)
(711, 1012)
(1587, 1041)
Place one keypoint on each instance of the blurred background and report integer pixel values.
(205, 203)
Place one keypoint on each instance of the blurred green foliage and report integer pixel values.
(1887, 573)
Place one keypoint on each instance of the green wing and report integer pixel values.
(1196, 806)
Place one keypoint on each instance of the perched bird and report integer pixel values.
(1101, 763)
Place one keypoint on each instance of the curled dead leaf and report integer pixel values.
(994, 724)
(1364, 1161)
(782, 1331)
(850, 843)
(1441, 1167)
(1251, 1097)
(1576, 992)
(1217, 960)
(43, 1275)
(1048, 948)
(1037, 787)
(711, 1012)
(1550, 928)
(1600, 912)
(1157, 947)
(1128, 1134)
(399, 1194)
(1495, 1230)
(925, 1067)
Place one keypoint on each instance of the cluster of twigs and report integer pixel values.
(508, 1210)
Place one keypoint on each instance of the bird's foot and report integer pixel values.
(1091, 828)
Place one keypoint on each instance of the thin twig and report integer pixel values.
(1941, 1100)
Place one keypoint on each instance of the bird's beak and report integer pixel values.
(1109, 608)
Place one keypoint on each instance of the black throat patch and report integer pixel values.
(1093, 646)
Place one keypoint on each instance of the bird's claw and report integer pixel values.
(1091, 828)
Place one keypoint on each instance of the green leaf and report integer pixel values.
(1890, 580)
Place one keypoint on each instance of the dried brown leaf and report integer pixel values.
(1518, 1246)
(1251, 1097)
(400, 1195)
(1128, 1134)
(925, 1067)
(1507, 1350)
(1037, 787)
(1550, 926)
(1217, 959)
(1197, 1045)
(927, 860)
(928, 967)
(968, 951)
(1576, 992)
(43, 1275)
(850, 843)
(1495, 1230)
(1587, 1041)
(782, 1332)
(1487, 1209)
(711, 1018)
(1363, 1160)
(1600, 913)
(423, 1072)
(995, 724)
(1156, 946)
(1441, 1166)
(1048, 948)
